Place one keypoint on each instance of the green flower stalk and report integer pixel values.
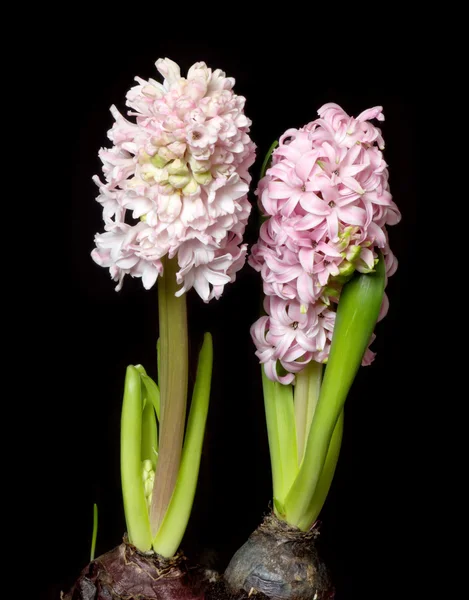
(173, 376)
(177, 516)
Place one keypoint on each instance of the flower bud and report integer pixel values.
(148, 487)
(165, 153)
(179, 181)
(203, 178)
(352, 253)
(346, 269)
(147, 466)
(159, 161)
(191, 188)
(178, 167)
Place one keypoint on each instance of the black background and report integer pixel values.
(96, 332)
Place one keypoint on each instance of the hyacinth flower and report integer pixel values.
(324, 258)
(174, 198)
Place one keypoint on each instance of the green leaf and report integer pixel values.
(357, 313)
(281, 430)
(149, 434)
(151, 393)
(287, 435)
(279, 508)
(325, 480)
(267, 158)
(135, 507)
(95, 532)
(141, 370)
(272, 432)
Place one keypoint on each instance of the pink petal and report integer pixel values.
(352, 215)
(333, 225)
(309, 222)
(352, 184)
(149, 276)
(377, 234)
(313, 204)
(279, 190)
(291, 204)
(305, 165)
(371, 113)
(306, 258)
(305, 287)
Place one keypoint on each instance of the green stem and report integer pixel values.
(177, 516)
(357, 313)
(327, 475)
(173, 390)
(158, 361)
(135, 507)
(307, 388)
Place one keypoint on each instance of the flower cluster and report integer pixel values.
(327, 204)
(182, 172)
